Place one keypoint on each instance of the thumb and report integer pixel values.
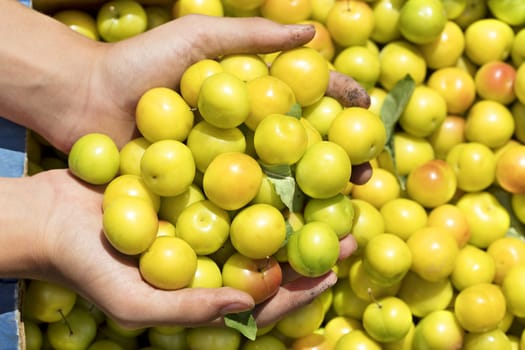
(180, 43)
(187, 307)
(213, 37)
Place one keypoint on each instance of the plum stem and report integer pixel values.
(66, 322)
(374, 300)
(265, 266)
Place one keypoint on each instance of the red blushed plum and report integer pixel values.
(510, 169)
(260, 278)
(456, 86)
(432, 184)
(495, 81)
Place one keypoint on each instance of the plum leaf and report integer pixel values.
(393, 106)
(295, 111)
(283, 180)
(516, 229)
(244, 322)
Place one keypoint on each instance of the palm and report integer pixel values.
(113, 282)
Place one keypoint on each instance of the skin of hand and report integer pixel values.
(96, 90)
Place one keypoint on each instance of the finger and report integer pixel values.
(361, 173)
(347, 246)
(187, 307)
(179, 43)
(292, 296)
(347, 91)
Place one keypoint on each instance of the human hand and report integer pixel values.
(121, 72)
(73, 252)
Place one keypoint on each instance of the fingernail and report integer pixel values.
(234, 308)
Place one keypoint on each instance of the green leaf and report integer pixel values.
(244, 322)
(282, 179)
(516, 229)
(277, 171)
(295, 111)
(395, 103)
(289, 231)
(393, 106)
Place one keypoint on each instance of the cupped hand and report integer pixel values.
(121, 72)
(77, 255)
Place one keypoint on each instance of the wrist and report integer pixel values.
(37, 87)
(21, 249)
